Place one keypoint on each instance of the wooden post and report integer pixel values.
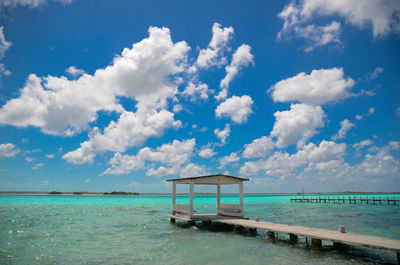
(206, 223)
(173, 197)
(398, 257)
(172, 220)
(253, 231)
(191, 198)
(236, 229)
(339, 246)
(218, 196)
(293, 238)
(316, 244)
(241, 197)
(271, 236)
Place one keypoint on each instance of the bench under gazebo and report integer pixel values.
(186, 213)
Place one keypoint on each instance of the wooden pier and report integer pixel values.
(339, 238)
(350, 200)
(232, 214)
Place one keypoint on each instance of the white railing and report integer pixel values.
(181, 209)
(230, 210)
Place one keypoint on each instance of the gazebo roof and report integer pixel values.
(210, 180)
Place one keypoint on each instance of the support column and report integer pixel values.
(293, 238)
(218, 196)
(173, 196)
(271, 236)
(241, 197)
(316, 244)
(191, 193)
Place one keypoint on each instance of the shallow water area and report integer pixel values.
(67, 229)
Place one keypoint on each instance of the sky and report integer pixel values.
(103, 95)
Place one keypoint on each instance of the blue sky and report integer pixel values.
(101, 96)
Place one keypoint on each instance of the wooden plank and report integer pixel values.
(323, 234)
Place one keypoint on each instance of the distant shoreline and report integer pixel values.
(77, 193)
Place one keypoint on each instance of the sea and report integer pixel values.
(101, 229)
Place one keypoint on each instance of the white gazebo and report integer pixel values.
(185, 212)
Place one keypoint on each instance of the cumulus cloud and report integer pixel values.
(285, 164)
(193, 170)
(258, 148)
(345, 126)
(65, 107)
(223, 134)
(207, 152)
(213, 55)
(8, 150)
(383, 16)
(238, 109)
(73, 71)
(297, 124)
(131, 129)
(320, 87)
(223, 161)
(383, 163)
(241, 58)
(173, 154)
(195, 91)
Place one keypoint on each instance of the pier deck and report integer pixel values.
(294, 231)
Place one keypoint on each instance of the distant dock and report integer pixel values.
(350, 200)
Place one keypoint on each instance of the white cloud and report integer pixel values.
(37, 166)
(345, 126)
(123, 164)
(207, 152)
(369, 113)
(173, 154)
(241, 58)
(195, 91)
(193, 170)
(319, 36)
(131, 129)
(176, 153)
(30, 159)
(177, 108)
(29, 3)
(258, 148)
(382, 15)
(214, 54)
(162, 171)
(383, 163)
(362, 144)
(397, 112)
(8, 150)
(72, 70)
(283, 164)
(237, 108)
(4, 45)
(223, 134)
(50, 156)
(233, 157)
(61, 106)
(297, 124)
(319, 87)
(375, 73)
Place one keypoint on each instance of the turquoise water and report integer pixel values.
(67, 229)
